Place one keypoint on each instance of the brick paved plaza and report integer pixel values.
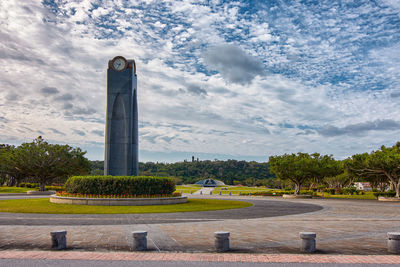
(199, 257)
(343, 227)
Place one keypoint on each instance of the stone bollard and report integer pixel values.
(230, 193)
(393, 242)
(58, 239)
(210, 192)
(307, 242)
(139, 240)
(221, 241)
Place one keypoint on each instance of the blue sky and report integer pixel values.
(216, 79)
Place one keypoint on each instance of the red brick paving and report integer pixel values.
(208, 257)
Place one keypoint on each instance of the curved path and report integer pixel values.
(261, 208)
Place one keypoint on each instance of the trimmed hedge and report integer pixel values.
(120, 185)
(389, 193)
(281, 192)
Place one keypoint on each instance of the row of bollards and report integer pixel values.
(307, 245)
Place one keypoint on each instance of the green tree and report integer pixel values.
(380, 163)
(45, 162)
(296, 168)
(338, 181)
(337, 176)
(227, 171)
(322, 166)
(8, 172)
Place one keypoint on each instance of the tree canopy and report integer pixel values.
(43, 162)
(378, 166)
(302, 167)
(229, 171)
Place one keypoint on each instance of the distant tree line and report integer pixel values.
(229, 171)
(381, 168)
(45, 163)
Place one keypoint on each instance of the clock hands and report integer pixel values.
(119, 63)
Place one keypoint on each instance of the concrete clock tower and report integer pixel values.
(122, 137)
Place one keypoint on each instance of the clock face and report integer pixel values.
(119, 64)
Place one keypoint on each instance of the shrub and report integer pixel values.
(29, 185)
(321, 188)
(389, 193)
(281, 192)
(330, 190)
(120, 185)
(349, 190)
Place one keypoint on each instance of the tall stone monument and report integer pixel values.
(122, 137)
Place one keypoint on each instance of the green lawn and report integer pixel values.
(367, 195)
(187, 188)
(242, 189)
(43, 205)
(6, 189)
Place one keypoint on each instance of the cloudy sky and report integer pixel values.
(240, 80)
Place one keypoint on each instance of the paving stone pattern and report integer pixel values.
(342, 227)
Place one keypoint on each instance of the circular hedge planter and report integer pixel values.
(389, 199)
(120, 185)
(117, 201)
(296, 196)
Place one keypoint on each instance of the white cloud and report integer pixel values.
(280, 76)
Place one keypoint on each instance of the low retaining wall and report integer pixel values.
(296, 196)
(117, 201)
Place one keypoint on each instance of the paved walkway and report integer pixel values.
(261, 209)
(204, 191)
(199, 257)
(351, 227)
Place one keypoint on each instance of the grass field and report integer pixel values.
(367, 195)
(187, 188)
(6, 189)
(43, 205)
(236, 189)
